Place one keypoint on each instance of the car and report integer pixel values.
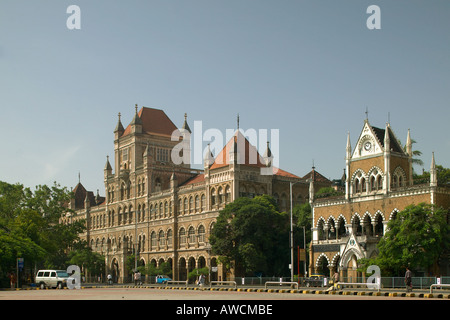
(315, 280)
(162, 279)
(51, 279)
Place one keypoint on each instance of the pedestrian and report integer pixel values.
(335, 278)
(408, 280)
(109, 278)
(201, 280)
(137, 278)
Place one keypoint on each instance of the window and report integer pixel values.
(162, 155)
(153, 240)
(169, 238)
(201, 234)
(203, 203)
(191, 204)
(197, 203)
(191, 235)
(182, 236)
(162, 240)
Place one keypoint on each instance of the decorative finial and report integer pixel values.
(367, 113)
(136, 107)
(238, 121)
(119, 116)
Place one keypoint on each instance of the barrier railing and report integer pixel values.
(223, 282)
(438, 286)
(175, 282)
(280, 283)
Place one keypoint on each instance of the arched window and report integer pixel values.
(203, 203)
(169, 238)
(182, 236)
(228, 194)
(220, 193)
(201, 233)
(191, 204)
(153, 240)
(197, 203)
(191, 235)
(213, 197)
(161, 239)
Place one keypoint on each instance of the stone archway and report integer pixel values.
(349, 265)
(182, 270)
(115, 271)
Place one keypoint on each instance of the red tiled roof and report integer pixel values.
(317, 176)
(283, 173)
(244, 148)
(154, 121)
(196, 179)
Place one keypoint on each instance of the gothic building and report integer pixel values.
(163, 211)
(378, 184)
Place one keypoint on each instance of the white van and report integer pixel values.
(52, 279)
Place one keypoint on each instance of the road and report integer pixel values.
(120, 293)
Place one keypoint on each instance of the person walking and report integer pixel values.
(137, 278)
(408, 280)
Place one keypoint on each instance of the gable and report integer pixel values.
(371, 142)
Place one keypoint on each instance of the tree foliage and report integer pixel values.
(251, 236)
(30, 228)
(417, 237)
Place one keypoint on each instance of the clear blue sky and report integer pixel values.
(308, 68)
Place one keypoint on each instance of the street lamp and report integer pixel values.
(292, 233)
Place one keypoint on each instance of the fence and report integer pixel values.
(386, 282)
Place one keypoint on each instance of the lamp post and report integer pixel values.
(291, 236)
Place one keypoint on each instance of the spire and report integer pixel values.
(433, 172)
(238, 122)
(136, 120)
(268, 157)
(349, 147)
(185, 124)
(208, 160)
(387, 140)
(107, 165)
(119, 127)
(409, 144)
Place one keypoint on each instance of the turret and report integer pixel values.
(119, 130)
(433, 172)
(387, 160)
(136, 123)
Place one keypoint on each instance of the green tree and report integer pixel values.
(30, 228)
(251, 235)
(417, 237)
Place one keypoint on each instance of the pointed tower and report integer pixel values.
(433, 172)
(268, 157)
(119, 130)
(410, 154)
(185, 124)
(348, 157)
(136, 123)
(387, 160)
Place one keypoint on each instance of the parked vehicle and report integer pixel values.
(162, 279)
(52, 279)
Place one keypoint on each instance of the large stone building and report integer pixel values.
(163, 211)
(379, 183)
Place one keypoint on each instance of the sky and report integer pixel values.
(308, 68)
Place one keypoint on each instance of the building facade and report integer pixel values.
(378, 184)
(162, 211)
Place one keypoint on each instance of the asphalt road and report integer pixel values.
(118, 293)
